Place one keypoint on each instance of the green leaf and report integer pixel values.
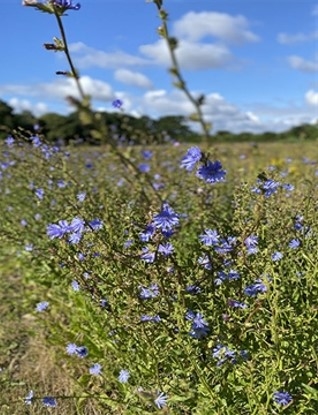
(312, 391)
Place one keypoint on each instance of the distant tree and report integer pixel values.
(56, 127)
(175, 126)
(25, 120)
(6, 119)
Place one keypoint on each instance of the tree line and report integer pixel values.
(127, 129)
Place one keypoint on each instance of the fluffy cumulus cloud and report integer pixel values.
(223, 115)
(231, 29)
(194, 54)
(62, 88)
(226, 116)
(311, 97)
(20, 105)
(301, 64)
(194, 51)
(190, 55)
(136, 79)
(87, 57)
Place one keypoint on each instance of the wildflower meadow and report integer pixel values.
(173, 279)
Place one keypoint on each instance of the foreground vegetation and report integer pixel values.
(232, 318)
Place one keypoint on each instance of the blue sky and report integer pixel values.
(255, 60)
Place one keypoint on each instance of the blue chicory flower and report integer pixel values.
(212, 172)
(123, 376)
(49, 402)
(282, 398)
(192, 157)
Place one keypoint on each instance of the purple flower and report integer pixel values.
(166, 249)
(205, 261)
(61, 184)
(149, 292)
(75, 237)
(212, 172)
(161, 400)
(222, 354)
(192, 157)
(9, 141)
(95, 369)
(128, 243)
(282, 398)
(256, 288)
(193, 289)
(96, 224)
(299, 225)
(42, 306)
(267, 187)
(226, 245)
(147, 154)
(81, 196)
(154, 319)
(49, 402)
(36, 142)
(277, 256)
(236, 304)
(117, 103)
(123, 376)
(81, 351)
(147, 255)
(166, 219)
(75, 285)
(294, 243)
(251, 244)
(288, 187)
(144, 168)
(57, 231)
(146, 235)
(210, 237)
(199, 327)
(39, 193)
(71, 348)
(230, 276)
(66, 4)
(77, 225)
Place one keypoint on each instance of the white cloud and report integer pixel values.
(19, 105)
(301, 64)
(189, 29)
(161, 102)
(61, 88)
(190, 55)
(311, 97)
(233, 29)
(223, 115)
(133, 78)
(86, 57)
(286, 39)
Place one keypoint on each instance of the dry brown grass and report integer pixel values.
(27, 361)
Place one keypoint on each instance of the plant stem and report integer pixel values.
(68, 56)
